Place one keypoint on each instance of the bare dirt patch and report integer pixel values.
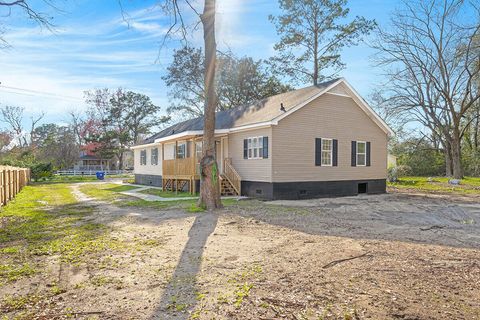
(372, 257)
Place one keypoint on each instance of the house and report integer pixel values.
(322, 140)
(90, 161)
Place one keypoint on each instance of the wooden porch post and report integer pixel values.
(192, 185)
(175, 167)
(163, 162)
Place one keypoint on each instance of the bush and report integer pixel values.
(41, 171)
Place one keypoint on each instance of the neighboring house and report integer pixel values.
(317, 141)
(89, 161)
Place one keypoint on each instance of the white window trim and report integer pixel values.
(179, 145)
(331, 152)
(151, 157)
(250, 147)
(363, 153)
(142, 162)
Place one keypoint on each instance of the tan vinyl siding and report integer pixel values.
(339, 89)
(251, 169)
(329, 116)
(148, 168)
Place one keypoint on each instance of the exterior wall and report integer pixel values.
(148, 169)
(329, 116)
(250, 169)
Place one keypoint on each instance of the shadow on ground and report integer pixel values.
(180, 293)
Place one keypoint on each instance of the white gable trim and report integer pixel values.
(356, 97)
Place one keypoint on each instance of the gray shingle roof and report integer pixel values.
(261, 111)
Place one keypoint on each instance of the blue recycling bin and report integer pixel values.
(100, 175)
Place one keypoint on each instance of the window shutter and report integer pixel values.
(335, 153)
(354, 153)
(265, 147)
(368, 154)
(318, 151)
(245, 148)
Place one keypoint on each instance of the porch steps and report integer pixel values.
(226, 188)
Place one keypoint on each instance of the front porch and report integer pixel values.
(182, 172)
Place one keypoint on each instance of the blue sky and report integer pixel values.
(93, 47)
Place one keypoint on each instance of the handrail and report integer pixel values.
(232, 175)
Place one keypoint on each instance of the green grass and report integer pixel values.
(167, 194)
(106, 191)
(110, 192)
(468, 185)
(73, 179)
(45, 219)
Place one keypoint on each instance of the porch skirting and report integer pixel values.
(311, 189)
(148, 179)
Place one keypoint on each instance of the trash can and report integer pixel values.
(100, 175)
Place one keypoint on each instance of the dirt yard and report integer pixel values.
(394, 256)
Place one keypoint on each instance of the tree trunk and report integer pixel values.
(448, 159)
(210, 182)
(315, 59)
(457, 156)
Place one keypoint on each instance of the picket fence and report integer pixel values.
(12, 180)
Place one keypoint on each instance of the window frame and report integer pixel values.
(143, 157)
(183, 147)
(252, 147)
(156, 157)
(361, 153)
(198, 150)
(330, 151)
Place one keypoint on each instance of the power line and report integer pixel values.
(35, 93)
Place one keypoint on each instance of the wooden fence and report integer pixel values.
(12, 180)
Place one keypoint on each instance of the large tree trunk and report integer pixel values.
(448, 159)
(457, 156)
(210, 182)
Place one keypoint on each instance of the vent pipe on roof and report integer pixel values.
(282, 108)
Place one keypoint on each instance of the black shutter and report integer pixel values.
(318, 151)
(335, 153)
(368, 154)
(245, 148)
(354, 153)
(265, 147)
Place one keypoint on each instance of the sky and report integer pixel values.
(96, 44)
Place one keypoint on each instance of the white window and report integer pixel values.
(361, 153)
(327, 152)
(154, 157)
(198, 150)
(255, 148)
(181, 148)
(143, 157)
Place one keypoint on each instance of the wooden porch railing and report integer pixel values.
(179, 167)
(12, 180)
(232, 175)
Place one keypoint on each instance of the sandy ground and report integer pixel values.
(392, 256)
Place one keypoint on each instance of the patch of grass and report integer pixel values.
(18, 302)
(10, 250)
(176, 306)
(100, 281)
(45, 219)
(241, 293)
(12, 272)
(106, 192)
(167, 194)
(468, 185)
(194, 208)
